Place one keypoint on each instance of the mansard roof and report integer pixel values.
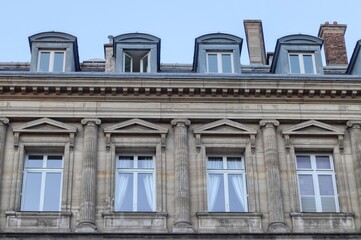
(355, 59)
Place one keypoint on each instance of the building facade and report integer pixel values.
(128, 147)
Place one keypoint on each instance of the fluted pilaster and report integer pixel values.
(88, 188)
(275, 203)
(182, 219)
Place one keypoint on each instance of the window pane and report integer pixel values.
(52, 192)
(126, 162)
(326, 185)
(237, 193)
(145, 162)
(215, 163)
(58, 62)
(31, 192)
(308, 204)
(212, 63)
(303, 162)
(145, 192)
(306, 184)
(44, 61)
(55, 162)
(35, 161)
(216, 201)
(234, 163)
(323, 162)
(226, 63)
(124, 192)
(127, 63)
(328, 204)
(295, 63)
(145, 63)
(308, 63)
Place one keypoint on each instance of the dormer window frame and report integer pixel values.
(52, 53)
(301, 62)
(141, 62)
(219, 57)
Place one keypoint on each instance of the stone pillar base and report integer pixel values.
(86, 227)
(278, 227)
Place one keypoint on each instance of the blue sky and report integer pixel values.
(177, 23)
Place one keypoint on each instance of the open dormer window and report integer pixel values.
(302, 63)
(51, 61)
(136, 61)
(220, 62)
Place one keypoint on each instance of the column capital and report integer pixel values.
(91, 121)
(269, 123)
(180, 122)
(4, 121)
(354, 124)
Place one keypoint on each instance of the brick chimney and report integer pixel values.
(255, 41)
(334, 43)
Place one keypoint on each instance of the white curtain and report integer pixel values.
(123, 180)
(213, 188)
(234, 164)
(214, 163)
(149, 189)
(237, 183)
(125, 162)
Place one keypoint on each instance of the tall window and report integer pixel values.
(135, 184)
(51, 61)
(220, 62)
(302, 63)
(136, 61)
(316, 183)
(42, 183)
(226, 184)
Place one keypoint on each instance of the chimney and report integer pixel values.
(109, 58)
(334, 43)
(255, 41)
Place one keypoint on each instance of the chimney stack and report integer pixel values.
(255, 41)
(334, 43)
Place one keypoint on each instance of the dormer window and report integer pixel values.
(54, 52)
(217, 53)
(220, 62)
(297, 54)
(136, 53)
(136, 61)
(51, 61)
(302, 63)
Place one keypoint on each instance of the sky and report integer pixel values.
(176, 22)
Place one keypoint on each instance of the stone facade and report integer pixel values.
(179, 119)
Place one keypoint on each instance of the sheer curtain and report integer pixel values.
(213, 188)
(237, 183)
(123, 180)
(149, 189)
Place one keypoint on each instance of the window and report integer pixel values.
(51, 61)
(136, 61)
(135, 181)
(219, 62)
(316, 183)
(226, 184)
(302, 63)
(42, 183)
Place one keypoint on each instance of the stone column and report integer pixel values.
(275, 203)
(88, 187)
(182, 218)
(354, 127)
(3, 126)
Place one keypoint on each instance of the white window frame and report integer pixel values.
(43, 172)
(301, 62)
(225, 172)
(219, 61)
(131, 61)
(314, 172)
(51, 59)
(135, 171)
(142, 62)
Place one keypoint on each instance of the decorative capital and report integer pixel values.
(354, 124)
(4, 121)
(91, 121)
(180, 122)
(269, 123)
